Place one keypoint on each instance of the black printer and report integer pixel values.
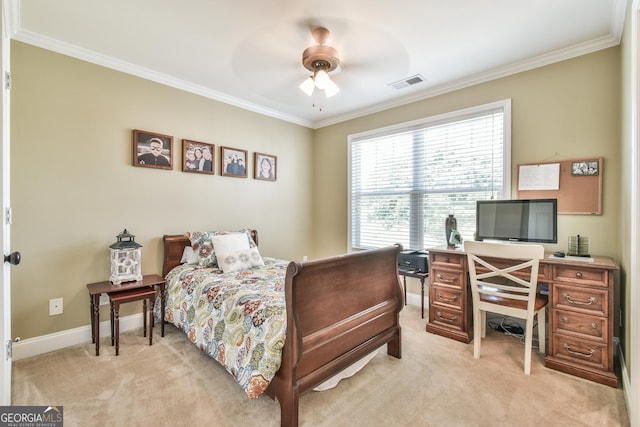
(413, 261)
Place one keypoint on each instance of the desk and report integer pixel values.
(95, 289)
(417, 275)
(581, 310)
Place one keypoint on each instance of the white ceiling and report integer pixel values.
(248, 52)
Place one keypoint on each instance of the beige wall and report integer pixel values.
(566, 110)
(73, 186)
(74, 189)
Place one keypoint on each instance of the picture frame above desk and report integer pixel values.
(576, 183)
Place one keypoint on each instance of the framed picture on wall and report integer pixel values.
(265, 166)
(152, 150)
(233, 162)
(585, 168)
(198, 157)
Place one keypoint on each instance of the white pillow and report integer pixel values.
(189, 256)
(230, 242)
(240, 260)
(202, 244)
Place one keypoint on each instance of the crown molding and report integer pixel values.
(145, 73)
(613, 39)
(12, 16)
(487, 76)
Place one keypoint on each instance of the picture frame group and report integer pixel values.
(155, 150)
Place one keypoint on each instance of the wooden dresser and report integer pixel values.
(581, 312)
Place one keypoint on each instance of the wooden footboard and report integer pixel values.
(339, 309)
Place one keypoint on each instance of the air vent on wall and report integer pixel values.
(409, 81)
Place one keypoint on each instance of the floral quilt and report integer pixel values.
(237, 318)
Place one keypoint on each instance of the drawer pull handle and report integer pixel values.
(442, 298)
(442, 279)
(444, 319)
(590, 301)
(577, 353)
(579, 275)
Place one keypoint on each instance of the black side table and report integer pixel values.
(417, 275)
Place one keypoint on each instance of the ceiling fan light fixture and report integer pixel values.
(321, 59)
(322, 79)
(307, 86)
(331, 89)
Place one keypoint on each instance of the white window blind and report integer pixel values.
(405, 180)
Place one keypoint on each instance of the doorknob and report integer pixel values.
(13, 258)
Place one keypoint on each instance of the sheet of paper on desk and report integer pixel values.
(573, 258)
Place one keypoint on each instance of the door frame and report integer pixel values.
(5, 278)
(633, 388)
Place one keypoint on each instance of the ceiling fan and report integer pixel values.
(320, 59)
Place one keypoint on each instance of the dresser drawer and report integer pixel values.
(584, 300)
(443, 277)
(581, 276)
(453, 319)
(447, 297)
(451, 260)
(583, 352)
(581, 325)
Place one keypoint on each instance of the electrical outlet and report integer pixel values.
(104, 299)
(55, 306)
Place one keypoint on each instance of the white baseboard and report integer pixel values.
(414, 299)
(626, 381)
(46, 343)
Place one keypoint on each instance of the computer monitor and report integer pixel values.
(522, 220)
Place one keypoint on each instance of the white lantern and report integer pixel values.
(126, 259)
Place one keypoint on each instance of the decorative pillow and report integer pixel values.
(189, 256)
(232, 242)
(202, 244)
(206, 255)
(239, 260)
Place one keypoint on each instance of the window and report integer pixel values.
(406, 179)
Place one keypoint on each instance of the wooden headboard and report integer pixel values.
(174, 245)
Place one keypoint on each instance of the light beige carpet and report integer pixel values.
(436, 383)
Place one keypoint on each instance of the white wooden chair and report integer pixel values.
(504, 280)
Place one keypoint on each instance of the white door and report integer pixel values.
(5, 279)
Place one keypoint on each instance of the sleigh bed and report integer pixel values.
(336, 311)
